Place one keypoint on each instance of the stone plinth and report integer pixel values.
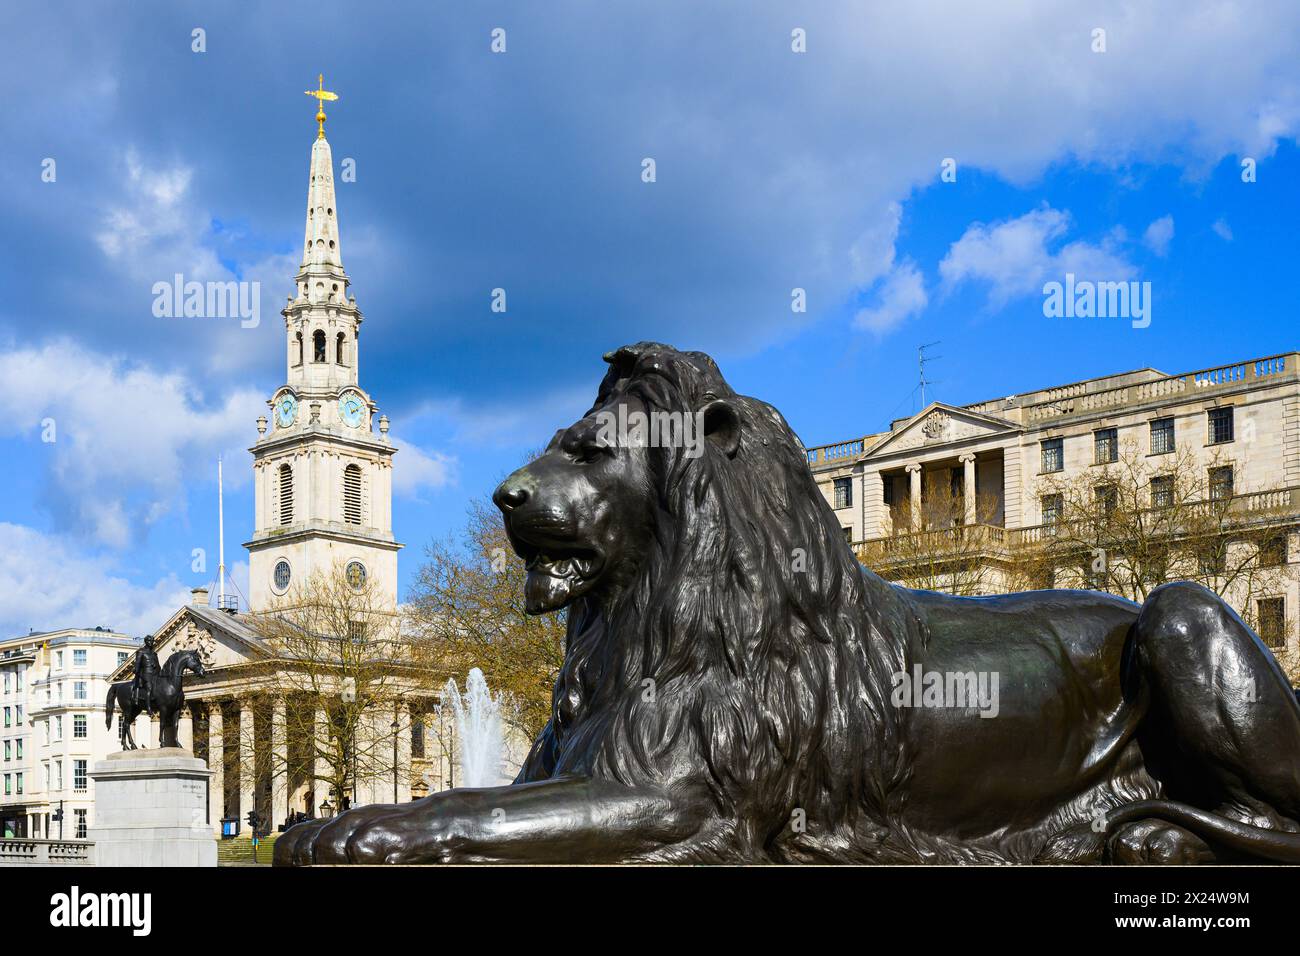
(151, 810)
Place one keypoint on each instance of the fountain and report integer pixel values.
(478, 722)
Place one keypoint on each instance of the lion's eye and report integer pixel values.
(587, 454)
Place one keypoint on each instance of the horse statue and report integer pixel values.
(166, 694)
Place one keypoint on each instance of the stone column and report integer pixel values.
(185, 729)
(321, 768)
(968, 485)
(279, 763)
(914, 487)
(217, 764)
(244, 762)
(404, 719)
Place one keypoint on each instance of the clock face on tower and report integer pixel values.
(286, 410)
(351, 409)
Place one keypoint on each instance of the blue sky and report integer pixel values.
(523, 170)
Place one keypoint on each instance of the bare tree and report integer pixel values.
(1129, 525)
(347, 675)
(467, 602)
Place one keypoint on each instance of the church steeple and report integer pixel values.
(323, 475)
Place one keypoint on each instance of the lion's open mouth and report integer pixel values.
(556, 575)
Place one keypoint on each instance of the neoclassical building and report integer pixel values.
(1239, 423)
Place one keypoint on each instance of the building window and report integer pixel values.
(843, 492)
(848, 535)
(78, 725)
(18, 715)
(7, 678)
(9, 781)
(81, 824)
(1105, 445)
(887, 484)
(121, 658)
(1053, 455)
(1107, 500)
(18, 748)
(1162, 491)
(58, 775)
(78, 690)
(1162, 436)
(357, 632)
(1220, 425)
(356, 574)
(58, 660)
(1221, 483)
(299, 341)
(8, 716)
(1272, 621)
(282, 575)
(79, 776)
(58, 727)
(338, 350)
(352, 494)
(417, 739)
(18, 779)
(79, 657)
(286, 494)
(1052, 505)
(318, 346)
(8, 753)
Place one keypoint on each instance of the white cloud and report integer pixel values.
(153, 230)
(1222, 230)
(1159, 234)
(1015, 256)
(127, 438)
(416, 470)
(901, 294)
(49, 584)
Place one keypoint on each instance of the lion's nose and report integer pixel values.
(507, 497)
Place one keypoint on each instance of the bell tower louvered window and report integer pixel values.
(286, 495)
(352, 494)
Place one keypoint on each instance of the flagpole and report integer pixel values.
(221, 542)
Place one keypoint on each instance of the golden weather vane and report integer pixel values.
(321, 95)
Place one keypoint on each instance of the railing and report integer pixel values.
(25, 852)
(967, 538)
(823, 454)
(976, 538)
(1072, 399)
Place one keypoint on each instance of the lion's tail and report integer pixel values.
(1276, 845)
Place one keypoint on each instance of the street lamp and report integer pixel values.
(327, 808)
(393, 726)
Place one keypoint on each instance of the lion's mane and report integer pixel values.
(753, 652)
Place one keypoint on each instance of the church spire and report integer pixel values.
(321, 253)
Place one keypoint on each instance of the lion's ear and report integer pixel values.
(722, 426)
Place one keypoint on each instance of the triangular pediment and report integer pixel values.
(222, 640)
(940, 424)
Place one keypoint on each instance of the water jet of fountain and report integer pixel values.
(478, 722)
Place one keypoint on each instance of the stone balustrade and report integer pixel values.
(25, 852)
(1242, 509)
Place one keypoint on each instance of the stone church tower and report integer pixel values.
(323, 477)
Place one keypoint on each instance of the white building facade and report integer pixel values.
(52, 727)
(1238, 423)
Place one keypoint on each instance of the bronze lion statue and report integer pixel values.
(737, 688)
